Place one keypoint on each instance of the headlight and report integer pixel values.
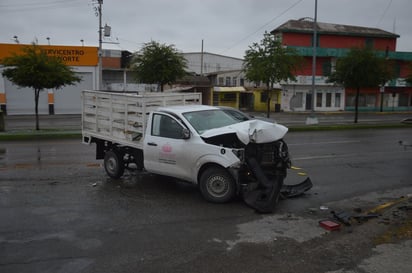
(239, 153)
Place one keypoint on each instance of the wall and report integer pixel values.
(20, 101)
(260, 101)
(337, 41)
(211, 62)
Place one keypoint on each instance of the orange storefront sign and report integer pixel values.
(70, 55)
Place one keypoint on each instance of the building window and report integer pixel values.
(278, 37)
(337, 100)
(369, 42)
(403, 99)
(319, 99)
(264, 96)
(364, 100)
(370, 100)
(317, 40)
(297, 100)
(328, 99)
(397, 70)
(242, 82)
(333, 65)
(227, 81)
(326, 68)
(228, 97)
(234, 81)
(215, 98)
(220, 81)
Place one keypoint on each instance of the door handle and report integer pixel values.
(151, 144)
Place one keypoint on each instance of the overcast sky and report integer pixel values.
(227, 27)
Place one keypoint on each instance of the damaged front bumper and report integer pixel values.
(266, 169)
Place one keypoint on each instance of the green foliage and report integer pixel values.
(33, 68)
(269, 62)
(158, 63)
(409, 77)
(361, 68)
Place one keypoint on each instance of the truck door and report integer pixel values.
(165, 150)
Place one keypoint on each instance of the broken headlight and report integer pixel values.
(239, 153)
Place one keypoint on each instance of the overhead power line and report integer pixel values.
(384, 13)
(265, 25)
(28, 6)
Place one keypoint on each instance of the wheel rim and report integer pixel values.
(217, 186)
(111, 165)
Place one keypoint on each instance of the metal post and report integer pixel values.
(99, 83)
(314, 56)
(312, 119)
(201, 61)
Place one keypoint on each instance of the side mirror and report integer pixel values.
(185, 133)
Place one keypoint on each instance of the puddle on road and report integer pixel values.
(269, 228)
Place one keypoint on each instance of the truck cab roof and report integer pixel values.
(179, 109)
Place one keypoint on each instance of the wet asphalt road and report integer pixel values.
(60, 213)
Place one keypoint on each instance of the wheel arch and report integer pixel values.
(214, 164)
(206, 166)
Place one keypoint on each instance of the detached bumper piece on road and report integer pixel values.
(265, 196)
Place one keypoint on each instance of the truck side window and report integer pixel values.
(164, 126)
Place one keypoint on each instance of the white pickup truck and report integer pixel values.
(221, 150)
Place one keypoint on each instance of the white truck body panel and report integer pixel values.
(182, 158)
(122, 117)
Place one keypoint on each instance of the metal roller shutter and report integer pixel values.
(67, 100)
(20, 101)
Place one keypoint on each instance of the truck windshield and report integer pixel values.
(210, 119)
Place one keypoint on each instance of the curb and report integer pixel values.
(71, 134)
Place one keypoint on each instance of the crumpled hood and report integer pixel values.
(255, 131)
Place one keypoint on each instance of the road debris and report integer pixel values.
(329, 225)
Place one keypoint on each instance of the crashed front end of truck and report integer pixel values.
(264, 160)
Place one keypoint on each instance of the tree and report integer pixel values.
(33, 68)
(270, 62)
(361, 68)
(409, 76)
(158, 63)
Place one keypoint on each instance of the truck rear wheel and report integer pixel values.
(113, 164)
(217, 185)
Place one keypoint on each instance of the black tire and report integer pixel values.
(217, 185)
(113, 164)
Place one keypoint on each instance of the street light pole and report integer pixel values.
(312, 119)
(315, 36)
(99, 83)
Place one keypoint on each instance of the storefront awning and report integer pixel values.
(229, 89)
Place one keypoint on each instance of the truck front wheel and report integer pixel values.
(217, 185)
(113, 164)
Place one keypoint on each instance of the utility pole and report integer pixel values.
(312, 119)
(99, 11)
(201, 60)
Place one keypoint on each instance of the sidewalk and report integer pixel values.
(289, 119)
